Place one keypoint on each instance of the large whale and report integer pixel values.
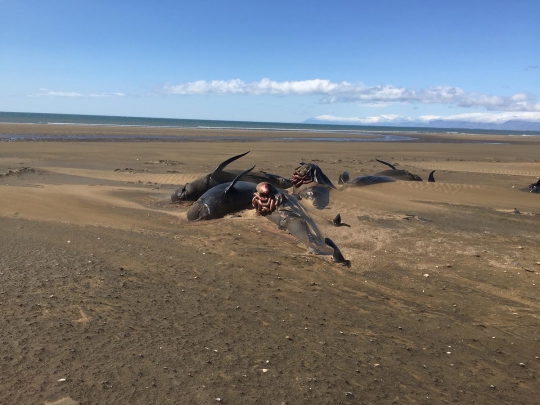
(223, 199)
(192, 191)
(286, 212)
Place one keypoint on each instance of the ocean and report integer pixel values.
(381, 133)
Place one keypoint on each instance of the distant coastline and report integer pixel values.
(121, 121)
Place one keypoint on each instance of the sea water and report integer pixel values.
(379, 133)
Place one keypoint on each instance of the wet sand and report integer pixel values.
(108, 295)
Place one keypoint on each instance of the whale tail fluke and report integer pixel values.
(337, 257)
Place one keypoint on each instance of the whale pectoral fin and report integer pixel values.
(387, 164)
(231, 186)
(217, 172)
(337, 257)
(431, 178)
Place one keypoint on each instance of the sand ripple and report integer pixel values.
(161, 178)
(508, 168)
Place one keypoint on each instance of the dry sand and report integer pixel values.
(109, 296)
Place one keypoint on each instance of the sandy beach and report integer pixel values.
(108, 295)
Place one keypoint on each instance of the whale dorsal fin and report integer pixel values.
(431, 179)
(231, 186)
(224, 164)
(387, 164)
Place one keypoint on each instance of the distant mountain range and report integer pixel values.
(510, 125)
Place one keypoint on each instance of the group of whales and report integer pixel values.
(305, 173)
(223, 192)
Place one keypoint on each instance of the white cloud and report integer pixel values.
(338, 92)
(106, 95)
(343, 92)
(485, 118)
(59, 94)
(51, 93)
(264, 86)
(488, 118)
(379, 119)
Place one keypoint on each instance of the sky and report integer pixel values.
(273, 61)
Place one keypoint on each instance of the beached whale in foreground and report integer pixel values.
(223, 199)
(287, 213)
(192, 191)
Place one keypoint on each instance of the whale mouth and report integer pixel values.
(179, 195)
(198, 211)
(194, 213)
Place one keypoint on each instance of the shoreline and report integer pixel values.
(115, 133)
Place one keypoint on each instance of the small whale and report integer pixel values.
(401, 174)
(362, 180)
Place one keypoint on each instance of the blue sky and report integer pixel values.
(280, 61)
